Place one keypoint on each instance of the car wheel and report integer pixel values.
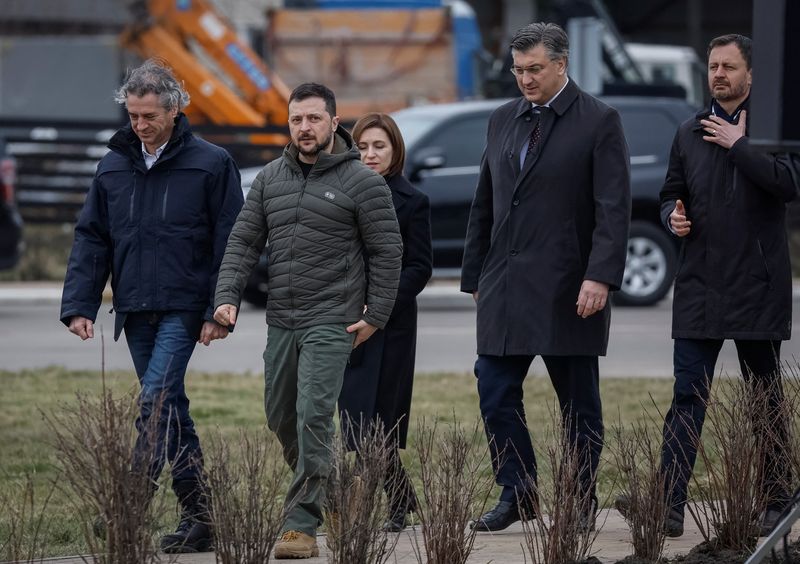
(649, 265)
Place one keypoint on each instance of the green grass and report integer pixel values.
(228, 403)
(47, 249)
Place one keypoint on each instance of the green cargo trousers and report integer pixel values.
(303, 371)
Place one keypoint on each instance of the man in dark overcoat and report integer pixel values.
(546, 242)
(726, 200)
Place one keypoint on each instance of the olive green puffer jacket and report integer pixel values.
(316, 230)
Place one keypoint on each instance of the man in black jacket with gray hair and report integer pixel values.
(156, 218)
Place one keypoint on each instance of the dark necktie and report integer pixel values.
(536, 133)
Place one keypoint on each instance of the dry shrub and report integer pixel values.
(355, 509)
(731, 498)
(95, 440)
(245, 484)
(558, 531)
(27, 521)
(636, 453)
(791, 411)
(456, 483)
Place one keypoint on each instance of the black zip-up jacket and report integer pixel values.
(733, 279)
(160, 233)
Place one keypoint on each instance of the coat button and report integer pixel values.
(515, 203)
(514, 252)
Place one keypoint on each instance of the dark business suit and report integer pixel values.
(379, 378)
(536, 232)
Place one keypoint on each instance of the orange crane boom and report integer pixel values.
(238, 90)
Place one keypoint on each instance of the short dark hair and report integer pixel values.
(744, 43)
(314, 90)
(551, 35)
(386, 123)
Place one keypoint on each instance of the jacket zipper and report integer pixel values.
(164, 201)
(133, 197)
(291, 254)
(346, 280)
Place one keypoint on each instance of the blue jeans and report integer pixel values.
(161, 344)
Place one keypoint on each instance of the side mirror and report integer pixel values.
(426, 159)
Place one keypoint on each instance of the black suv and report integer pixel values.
(10, 220)
(444, 144)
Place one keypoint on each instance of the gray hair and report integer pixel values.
(550, 35)
(154, 77)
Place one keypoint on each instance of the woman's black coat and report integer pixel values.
(379, 377)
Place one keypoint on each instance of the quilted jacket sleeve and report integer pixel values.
(377, 225)
(226, 203)
(247, 239)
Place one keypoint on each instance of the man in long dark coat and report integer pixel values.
(727, 202)
(546, 242)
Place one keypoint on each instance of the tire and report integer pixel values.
(649, 266)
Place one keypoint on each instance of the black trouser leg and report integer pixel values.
(576, 380)
(693, 362)
(760, 364)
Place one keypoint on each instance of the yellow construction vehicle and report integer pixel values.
(229, 84)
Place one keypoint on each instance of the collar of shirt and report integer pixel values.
(717, 110)
(150, 160)
(550, 101)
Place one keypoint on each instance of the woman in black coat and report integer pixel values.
(380, 375)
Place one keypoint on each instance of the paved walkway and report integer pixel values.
(504, 547)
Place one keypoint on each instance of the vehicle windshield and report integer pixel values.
(413, 126)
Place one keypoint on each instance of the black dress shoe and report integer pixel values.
(499, 517)
(769, 519)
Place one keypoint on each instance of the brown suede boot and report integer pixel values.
(294, 544)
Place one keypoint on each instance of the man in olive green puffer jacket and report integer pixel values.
(317, 208)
